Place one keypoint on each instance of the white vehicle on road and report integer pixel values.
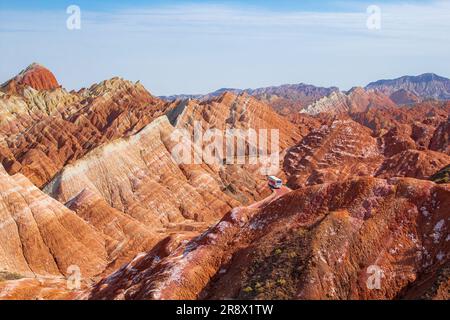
(275, 182)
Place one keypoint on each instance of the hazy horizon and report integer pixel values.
(196, 47)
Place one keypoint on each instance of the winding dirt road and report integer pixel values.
(276, 193)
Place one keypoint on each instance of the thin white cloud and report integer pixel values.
(398, 19)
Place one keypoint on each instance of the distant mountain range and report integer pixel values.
(291, 98)
(284, 99)
(425, 86)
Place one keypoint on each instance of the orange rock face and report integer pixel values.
(44, 237)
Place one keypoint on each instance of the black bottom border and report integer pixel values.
(225, 309)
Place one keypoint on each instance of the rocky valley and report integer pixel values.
(91, 186)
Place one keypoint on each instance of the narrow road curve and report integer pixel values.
(276, 193)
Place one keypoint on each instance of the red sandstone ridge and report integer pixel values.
(318, 242)
(35, 76)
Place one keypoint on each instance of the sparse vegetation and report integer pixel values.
(259, 287)
(276, 268)
(442, 176)
(5, 276)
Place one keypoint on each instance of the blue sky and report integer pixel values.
(199, 46)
